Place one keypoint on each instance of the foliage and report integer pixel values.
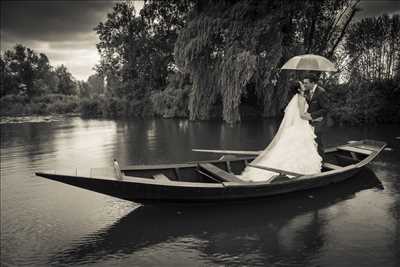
(370, 63)
(373, 49)
(121, 46)
(17, 105)
(92, 107)
(136, 51)
(173, 101)
(230, 46)
(93, 86)
(366, 103)
(113, 107)
(25, 73)
(164, 20)
(66, 84)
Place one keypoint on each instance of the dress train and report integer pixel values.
(292, 149)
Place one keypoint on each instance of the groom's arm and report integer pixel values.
(323, 103)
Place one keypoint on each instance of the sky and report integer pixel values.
(63, 30)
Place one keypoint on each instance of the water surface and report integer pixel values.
(355, 223)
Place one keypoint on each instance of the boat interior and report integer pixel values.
(229, 167)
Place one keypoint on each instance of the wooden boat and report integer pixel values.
(217, 180)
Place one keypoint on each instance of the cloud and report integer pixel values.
(63, 30)
(52, 20)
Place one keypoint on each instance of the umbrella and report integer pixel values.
(309, 62)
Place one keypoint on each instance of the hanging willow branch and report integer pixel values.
(222, 48)
(227, 46)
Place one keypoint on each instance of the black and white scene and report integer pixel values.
(200, 133)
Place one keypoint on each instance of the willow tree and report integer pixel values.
(230, 46)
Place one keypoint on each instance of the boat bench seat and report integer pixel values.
(331, 166)
(160, 177)
(356, 150)
(219, 174)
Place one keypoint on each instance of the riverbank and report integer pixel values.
(51, 104)
(350, 104)
(36, 118)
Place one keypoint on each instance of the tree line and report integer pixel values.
(31, 85)
(26, 73)
(206, 59)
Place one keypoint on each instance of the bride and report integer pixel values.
(293, 148)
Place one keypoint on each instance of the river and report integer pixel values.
(355, 223)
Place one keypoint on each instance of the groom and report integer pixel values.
(317, 107)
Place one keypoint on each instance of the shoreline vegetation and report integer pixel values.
(190, 59)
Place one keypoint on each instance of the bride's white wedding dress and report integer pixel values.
(292, 149)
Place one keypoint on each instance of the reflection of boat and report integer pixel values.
(233, 229)
(216, 180)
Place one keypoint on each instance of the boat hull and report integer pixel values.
(135, 186)
(141, 191)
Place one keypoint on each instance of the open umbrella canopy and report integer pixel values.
(309, 62)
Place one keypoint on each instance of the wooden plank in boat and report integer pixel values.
(178, 174)
(179, 165)
(228, 166)
(276, 170)
(208, 176)
(161, 177)
(331, 166)
(225, 176)
(367, 147)
(231, 152)
(356, 150)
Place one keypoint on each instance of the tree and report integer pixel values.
(121, 43)
(164, 20)
(234, 48)
(83, 89)
(45, 80)
(373, 49)
(96, 84)
(93, 86)
(26, 73)
(66, 84)
(9, 84)
(137, 51)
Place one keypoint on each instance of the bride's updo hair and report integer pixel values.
(294, 88)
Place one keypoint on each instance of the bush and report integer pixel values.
(114, 107)
(365, 103)
(92, 107)
(171, 102)
(11, 105)
(16, 105)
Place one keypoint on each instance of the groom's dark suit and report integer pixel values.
(318, 108)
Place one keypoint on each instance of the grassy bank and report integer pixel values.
(15, 105)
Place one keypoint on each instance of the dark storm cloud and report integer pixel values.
(51, 20)
(63, 30)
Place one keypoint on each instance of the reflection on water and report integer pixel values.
(355, 223)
